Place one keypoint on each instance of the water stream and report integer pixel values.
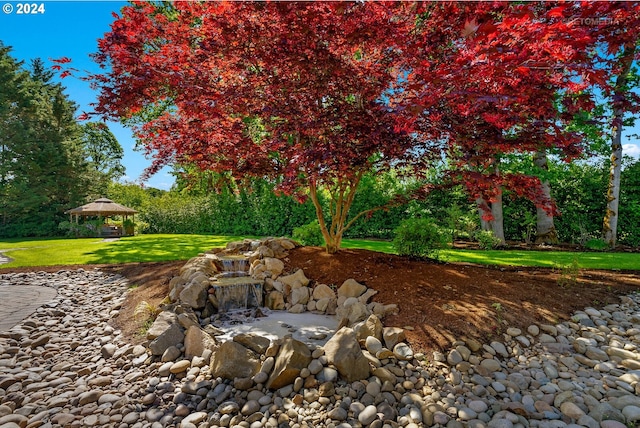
(233, 288)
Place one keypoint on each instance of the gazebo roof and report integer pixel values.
(102, 207)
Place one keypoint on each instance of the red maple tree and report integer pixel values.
(295, 90)
(505, 78)
(320, 93)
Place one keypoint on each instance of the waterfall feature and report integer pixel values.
(233, 288)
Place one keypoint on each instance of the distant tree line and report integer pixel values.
(49, 162)
(218, 205)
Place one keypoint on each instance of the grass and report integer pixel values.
(156, 248)
(551, 259)
(141, 248)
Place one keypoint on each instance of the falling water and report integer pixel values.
(234, 264)
(233, 288)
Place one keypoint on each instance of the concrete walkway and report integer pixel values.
(17, 302)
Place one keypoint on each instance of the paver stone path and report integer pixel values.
(19, 301)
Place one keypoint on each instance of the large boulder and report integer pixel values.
(351, 288)
(273, 265)
(285, 243)
(372, 326)
(392, 336)
(343, 351)
(195, 293)
(353, 313)
(323, 291)
(163, 321)
(295, 280)
(299, 295)
(172, 336)
(291, 359)
(232, 360)
(275, 301)
(383, 310)
(199, 264)
(196, 341)
(257, 344)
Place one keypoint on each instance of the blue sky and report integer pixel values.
(71, 29)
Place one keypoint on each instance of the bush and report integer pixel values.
(87, 229)
(309, 234)
(419, 237)
(487, 240)
(596, 244)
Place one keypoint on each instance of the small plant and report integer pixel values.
(569, 274)
(148, 313)
(528, 223)
(487, 240)
(499, 315)
(596, 244)
(420, 237)
(309, 234)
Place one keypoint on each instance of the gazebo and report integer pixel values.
(105, 208)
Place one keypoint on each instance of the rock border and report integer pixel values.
(187, 327)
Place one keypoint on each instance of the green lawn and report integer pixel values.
(141, 248)
(586, 260)
(154, 248)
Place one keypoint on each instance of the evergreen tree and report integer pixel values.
(42, 168)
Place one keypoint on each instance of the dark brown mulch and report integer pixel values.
(438, 303)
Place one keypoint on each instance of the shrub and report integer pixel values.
(487, 240)
(597, 244)
(419, 237)
(88, 229)
(309, 234)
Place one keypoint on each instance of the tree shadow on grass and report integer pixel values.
(157, 248)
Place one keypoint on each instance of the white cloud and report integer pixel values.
(632, 150)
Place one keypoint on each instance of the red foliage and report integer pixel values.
(319, 92)
(259, 88)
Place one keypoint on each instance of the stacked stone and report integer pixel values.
(290, 292)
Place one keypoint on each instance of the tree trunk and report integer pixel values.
(545, 227)
(342, 195)
(497, 224)
(610, 222)
(484, 224)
